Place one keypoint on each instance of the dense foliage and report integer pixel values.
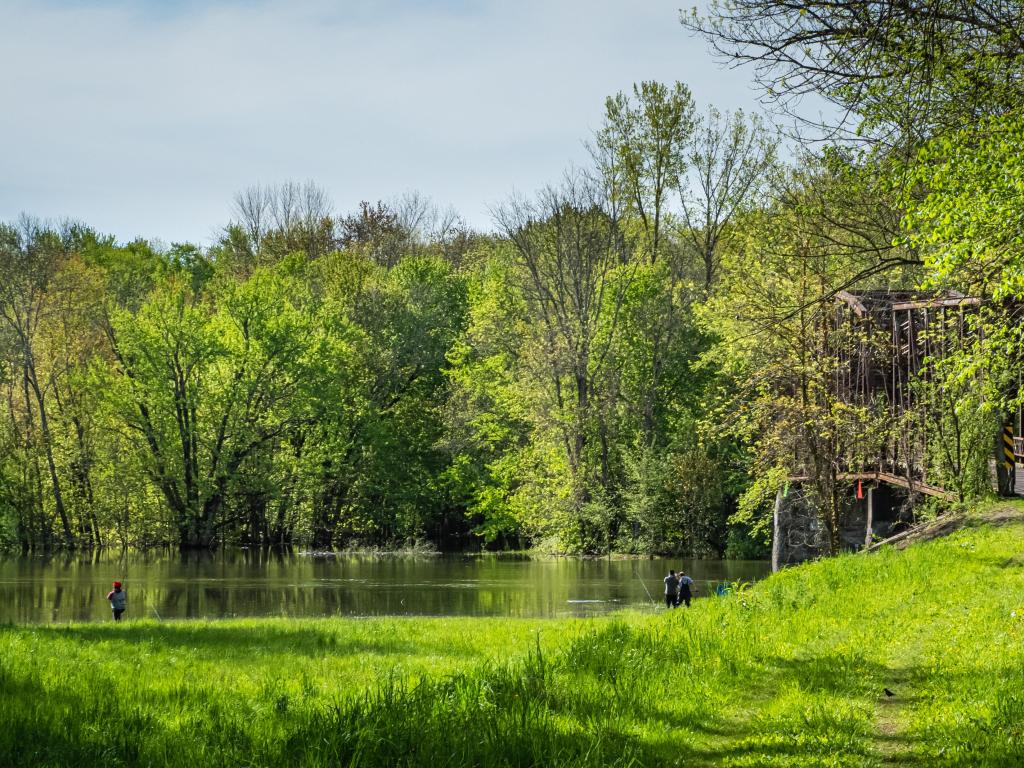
(912, 184)
(385, 377)
(634, 359)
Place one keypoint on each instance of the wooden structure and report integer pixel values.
(897, 339)
(883, 343)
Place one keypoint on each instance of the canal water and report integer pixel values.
(238, 583)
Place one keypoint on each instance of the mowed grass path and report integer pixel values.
(788, 673)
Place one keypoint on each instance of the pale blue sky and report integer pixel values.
(143, 118)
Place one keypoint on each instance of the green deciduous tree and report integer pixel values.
(641, 153)
(965, 218)
(204, 387)
(893, 69)
(31, 261)
(733, 163)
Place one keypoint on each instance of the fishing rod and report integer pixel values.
(152, 605)
(644, 584)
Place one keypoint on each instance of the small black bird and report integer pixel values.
(888, 692)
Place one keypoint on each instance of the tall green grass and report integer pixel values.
(789, 673)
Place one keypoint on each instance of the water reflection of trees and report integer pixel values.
(281, 583)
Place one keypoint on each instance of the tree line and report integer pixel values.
(631, 360)
(389, 376)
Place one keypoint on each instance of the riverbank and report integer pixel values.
(792, 672)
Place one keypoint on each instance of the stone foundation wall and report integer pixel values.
(798, 534)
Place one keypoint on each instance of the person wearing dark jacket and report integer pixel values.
(685, 585)
(118, 600)
(671, 590)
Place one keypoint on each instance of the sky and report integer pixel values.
(143, 118)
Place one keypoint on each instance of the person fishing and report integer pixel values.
(118, 600)
(671, 590)
(685, 586)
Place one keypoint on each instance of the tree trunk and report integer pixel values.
(777, 532)
(869, 527)
(44, 428)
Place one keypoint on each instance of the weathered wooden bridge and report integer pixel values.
(884, 345)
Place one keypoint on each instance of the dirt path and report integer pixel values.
(891, 742)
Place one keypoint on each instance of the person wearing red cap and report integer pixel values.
(118, 600)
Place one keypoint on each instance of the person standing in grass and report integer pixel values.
(118, 600)
(671, 590)
(685, 585)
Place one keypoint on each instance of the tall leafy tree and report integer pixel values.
(569, 246)
(641, 153)
(733, 164)
(31, 261)
(200, 385)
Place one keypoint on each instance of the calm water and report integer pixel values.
(242, 583)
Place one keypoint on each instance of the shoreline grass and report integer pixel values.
(791, 672)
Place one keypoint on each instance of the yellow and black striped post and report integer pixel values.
(1007, 462)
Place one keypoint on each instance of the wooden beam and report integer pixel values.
(886, 477)
(969, 301)
(948, 520)
(856, 304)
(890, 540)
(928, 490)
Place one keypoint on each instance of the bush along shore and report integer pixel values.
(912, 656)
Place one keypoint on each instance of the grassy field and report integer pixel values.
(791, 673)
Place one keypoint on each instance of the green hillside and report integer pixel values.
(789, 672)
